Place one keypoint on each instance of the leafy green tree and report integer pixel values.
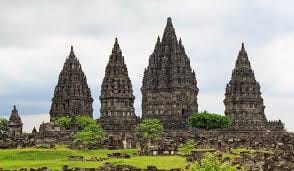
(187, 147)
(91, 132)
(84, 121)
(207, 120)
(151, 129)
(3, 125)
(210, 162)
(63, 121)
(90, 135)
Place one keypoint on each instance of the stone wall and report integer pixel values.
(276, 160)
(243, 139)
(105, 167)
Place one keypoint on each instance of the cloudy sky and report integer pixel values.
(35, 39)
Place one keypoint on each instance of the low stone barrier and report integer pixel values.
(105, 167)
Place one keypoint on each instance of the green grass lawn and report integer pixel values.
(56, 158)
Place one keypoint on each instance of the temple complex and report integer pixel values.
(14, 124)
(72, 96)
(117, 99)
(169, 85)
(169, 94)
(243, 101)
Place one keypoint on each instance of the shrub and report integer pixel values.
(3, 125)
(84, 121)
(63, 121)
(187, 147)
(209, 121)
(91, 134)
(151, 128)
(211, 163)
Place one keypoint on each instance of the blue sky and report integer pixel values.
(35, 39)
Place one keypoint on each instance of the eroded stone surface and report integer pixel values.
(169, 85)
(243, 101)
(117, 99)
(72, 95)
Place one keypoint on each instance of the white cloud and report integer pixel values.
(275, 61)
(34, 120)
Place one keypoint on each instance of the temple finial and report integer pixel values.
(14, 110)
(116, 46)
(242, 51)
(72, 53)
(116, 41)
(242, 47)
(169, 34)
(169, 21)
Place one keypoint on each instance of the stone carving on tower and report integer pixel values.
(243, 101)
(14, 124)
(72, 96)
(169, 85)
(117, 99)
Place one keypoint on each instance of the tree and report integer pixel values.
(91, 132)
(187, 147)
(63, 121)
(84, 121)
(151, 129)
(207, 120)
(3, 125)
(210, 162)
(90, 135)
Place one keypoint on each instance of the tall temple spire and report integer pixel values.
(243, 101)
(72, 95)
(117, 99)
(168, 78)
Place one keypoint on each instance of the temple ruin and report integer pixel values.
(72, 96)
(169, 87)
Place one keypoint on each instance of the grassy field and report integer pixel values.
(56, 158)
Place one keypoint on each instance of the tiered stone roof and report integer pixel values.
(15, 123)
(14, 119)
(117, 99)
(72, 95)
(169, 85)
(243, 101)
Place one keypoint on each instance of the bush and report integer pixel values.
(151, 128)
(3, 125)
(84, 121)
(90, 135)
(91, 132)
(187, 147)
(64, 122)
(209, 121)
(211, 163)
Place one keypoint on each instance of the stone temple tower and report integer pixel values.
(243, 101)
(72, 96)
(117, 99)
(14, 124)
(169, 85)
